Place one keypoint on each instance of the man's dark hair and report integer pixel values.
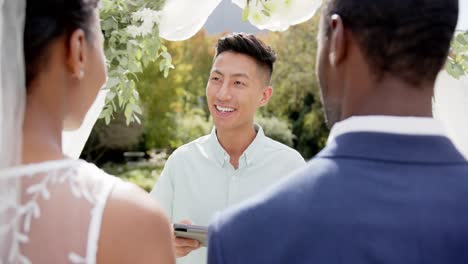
(409, 39)
(47, 20)
(251, 46)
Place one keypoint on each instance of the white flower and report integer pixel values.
(279, 15)
(181, 19)
(147, 19)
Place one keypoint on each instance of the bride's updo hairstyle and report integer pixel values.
(47, 20)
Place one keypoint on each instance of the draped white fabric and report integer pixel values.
(283, 14)
(12, 101)
(12, 96)
(451, 107)
(181, 19)
(73, 142)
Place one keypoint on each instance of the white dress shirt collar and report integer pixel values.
(249, 155)
(388, 124)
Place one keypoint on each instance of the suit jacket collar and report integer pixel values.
(378, 146)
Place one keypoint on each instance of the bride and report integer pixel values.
(54, 209)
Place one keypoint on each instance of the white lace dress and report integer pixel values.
(58, 216)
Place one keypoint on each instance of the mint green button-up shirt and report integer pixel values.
(198, 179)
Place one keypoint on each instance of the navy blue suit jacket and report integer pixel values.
(366, 198)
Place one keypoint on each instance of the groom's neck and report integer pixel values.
(391, 97)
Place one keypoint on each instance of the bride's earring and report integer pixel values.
(81, 74)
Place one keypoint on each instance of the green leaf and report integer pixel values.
(266, 12)
(108, 24)
(137, 109)
(166, 56)
(245, 13)
(455, 69)
(137, 119)
(462, 39)
(110, 96)
(128, 112)
(111, 82)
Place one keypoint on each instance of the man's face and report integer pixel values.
(235, 90)
(326, 75)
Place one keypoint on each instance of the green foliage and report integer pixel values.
(457, 64)
(170, 103)
(266, 8)
(296, 96)
(277, 129)
(310, 128)
(142, 174)
(131, 42)
(190, 126)
(112, 139)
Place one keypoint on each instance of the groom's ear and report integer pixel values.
(266, 95)
(76, 55)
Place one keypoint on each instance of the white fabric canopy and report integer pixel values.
(451, 107)
(73, 142)
(283, 13)
(181, 19)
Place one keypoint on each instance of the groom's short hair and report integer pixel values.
(409, 39)
(251, 46)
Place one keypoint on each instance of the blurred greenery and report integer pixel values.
(277, 129)
(457, 64)
(143, 175)
(296, 92)
(174, 108)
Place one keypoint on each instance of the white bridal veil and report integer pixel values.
(12, 102)
(12, 96)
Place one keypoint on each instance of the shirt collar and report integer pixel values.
(388, 124)
(249, 155)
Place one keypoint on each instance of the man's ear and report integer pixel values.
(266, 95)
(77, 54)
(337, 41)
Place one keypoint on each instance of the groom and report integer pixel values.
(390, 187)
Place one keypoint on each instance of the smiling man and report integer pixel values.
(236, 160)
(390, 186)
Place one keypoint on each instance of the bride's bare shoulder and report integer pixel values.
(134, 229)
